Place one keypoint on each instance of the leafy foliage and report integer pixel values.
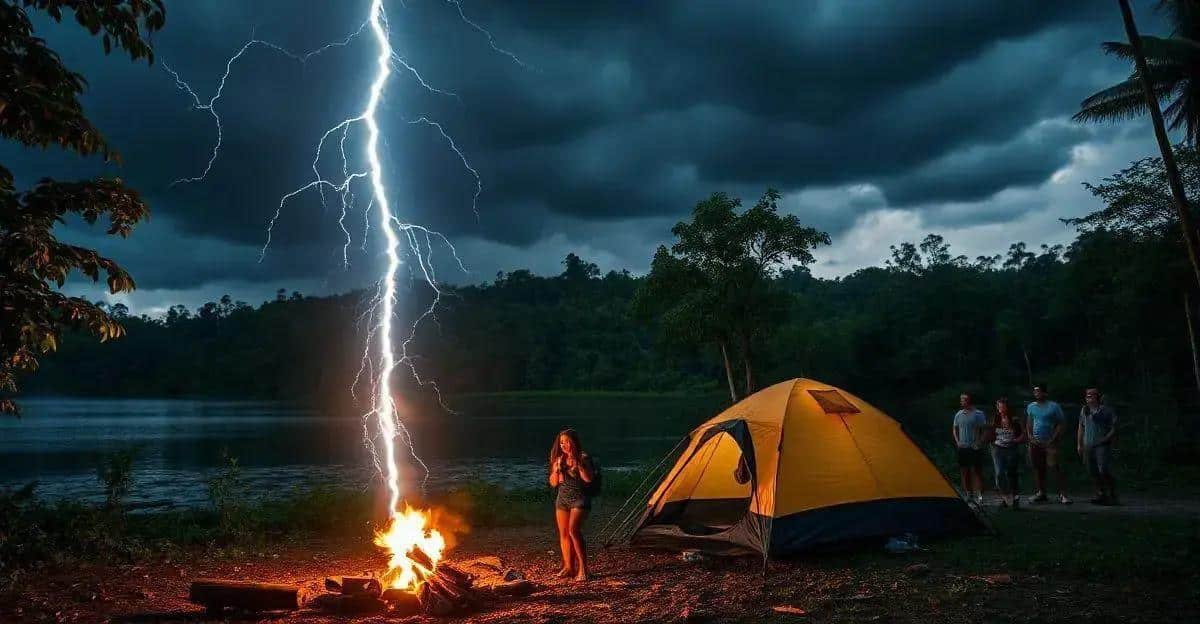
(1173, 65)
(228, 494)
(39, 107)
(908, 339)
(1138, 200)
(715, 284)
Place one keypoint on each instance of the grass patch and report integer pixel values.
(485, 504)
(1084, 545)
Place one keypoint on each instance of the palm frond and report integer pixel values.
(1184, 111)
(1113, 107)
(1121, 101)
(1119, 49)
(1158, 50)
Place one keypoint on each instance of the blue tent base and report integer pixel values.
(814, 530)
(878, 519)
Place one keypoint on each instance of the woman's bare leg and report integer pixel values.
(577, 545)
(562, 518)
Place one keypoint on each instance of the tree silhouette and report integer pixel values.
(39, 107)
(715, 283)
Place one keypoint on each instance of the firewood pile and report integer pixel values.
(459, 589)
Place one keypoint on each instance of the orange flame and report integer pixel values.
(409, 531)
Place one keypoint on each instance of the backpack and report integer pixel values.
(592, 488)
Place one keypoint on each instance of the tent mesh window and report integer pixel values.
(833, 402)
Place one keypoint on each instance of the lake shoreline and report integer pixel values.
(178, 445)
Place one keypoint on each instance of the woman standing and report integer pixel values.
(570, 470)
(1008, 436)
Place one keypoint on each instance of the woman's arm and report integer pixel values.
(584, 466)
(555, 475)
(1019, 427)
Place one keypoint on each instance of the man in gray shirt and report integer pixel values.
(968, 431)
(1093, 439)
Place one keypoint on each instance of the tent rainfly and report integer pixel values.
(796, 466)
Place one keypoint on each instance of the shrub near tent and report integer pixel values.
(824, 467)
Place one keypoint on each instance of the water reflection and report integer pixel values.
(59, 442)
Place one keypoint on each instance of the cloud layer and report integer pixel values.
(878, 120)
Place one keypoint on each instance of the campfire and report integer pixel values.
(415, 548)
(417, 580)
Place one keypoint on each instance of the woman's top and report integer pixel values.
(1006, 434)
(571, 492)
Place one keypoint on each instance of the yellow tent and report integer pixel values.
(794, 466)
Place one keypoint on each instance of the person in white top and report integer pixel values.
(967, 430)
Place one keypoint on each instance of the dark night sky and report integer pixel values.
(880, 121)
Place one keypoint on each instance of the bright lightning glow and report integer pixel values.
(407, 528)
(385, 408)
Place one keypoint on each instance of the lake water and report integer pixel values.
(180, 443)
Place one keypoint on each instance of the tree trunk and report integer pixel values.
(1187, 314)
(728, 372)
(748, 367)
(1190, 238)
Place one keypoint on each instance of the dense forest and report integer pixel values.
(1107, 310)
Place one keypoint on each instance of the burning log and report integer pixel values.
(448, 591)
(403, 602)
(424, 562)
(354, 585)
(512, 589)
(215, 595)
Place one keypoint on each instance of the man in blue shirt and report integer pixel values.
(1093, 440)
(1046, 420)
(967, 430)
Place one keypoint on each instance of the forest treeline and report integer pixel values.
(1106, 310)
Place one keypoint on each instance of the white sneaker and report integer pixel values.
(1062, 498)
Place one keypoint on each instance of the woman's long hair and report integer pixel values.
(556, 450)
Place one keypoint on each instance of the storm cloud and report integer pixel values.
(939, 115)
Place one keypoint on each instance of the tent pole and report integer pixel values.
(635, 495)
(775, 487)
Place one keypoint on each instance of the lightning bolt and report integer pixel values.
(461, 156)
(486, 33)
(382, 355)
(211, 105)
(385, 407)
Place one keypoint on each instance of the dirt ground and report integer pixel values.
(1131, 505)
(630, 585)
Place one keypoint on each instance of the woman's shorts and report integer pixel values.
(566, 503)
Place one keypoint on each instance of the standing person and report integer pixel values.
(1006, 453)
(968, 434)
(1046, 423)
(1093, 439)
(570, 470)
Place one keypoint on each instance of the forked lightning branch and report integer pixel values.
(386, 348)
